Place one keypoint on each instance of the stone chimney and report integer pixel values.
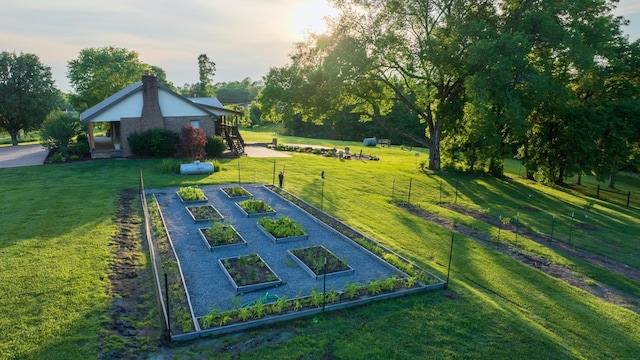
(151, 113)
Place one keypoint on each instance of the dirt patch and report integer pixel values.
(563, 273)
(128, 326)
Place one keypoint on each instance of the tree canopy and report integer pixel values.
(551, 82)
(27, 93)
(98, 73)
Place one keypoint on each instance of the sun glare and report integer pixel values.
(309, 17)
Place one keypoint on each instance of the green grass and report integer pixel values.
(57, 222)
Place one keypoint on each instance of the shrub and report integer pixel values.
(57, 131)
(154, 143)
(56, 158)
(170, 166)
(81, 148)
(215, 146)
(192, 143)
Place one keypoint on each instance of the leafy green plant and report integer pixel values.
(351, 290)
(221, 234)
(251, 206)
(244, 314)
(389, 284)
(410, 282)
(316, 298)
(279, 305)
(235, 191)
(332, 296)
(374, 287)
(191, 193)
(259, 309)
(282, 227)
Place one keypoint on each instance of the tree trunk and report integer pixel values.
(14, 137)
(579, 180)
(434, 147)
(560, 179)
(612, 180)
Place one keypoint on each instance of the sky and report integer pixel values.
(245, 38)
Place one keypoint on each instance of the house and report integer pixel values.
(146, 105)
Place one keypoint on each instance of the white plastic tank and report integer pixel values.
(196, 168)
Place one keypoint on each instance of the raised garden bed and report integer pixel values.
(255, 208)
(312, 259)
(204, 213)
(191, 194)
(282, 229)
(220, 236)
(236, 192)
(249, 273)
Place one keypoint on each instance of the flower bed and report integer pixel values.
(255, 208)
(312, 260)
(282, 229)
(204, 213)
(249, 273)
(221, 235)
(191, 194)
(236, 192)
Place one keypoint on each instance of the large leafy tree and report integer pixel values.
(571, 47)
(27, 93)
(98, 73)
(419, 50)
(206, 70)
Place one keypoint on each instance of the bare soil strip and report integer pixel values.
(560, 272)
(130, 324)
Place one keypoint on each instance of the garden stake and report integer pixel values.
(571, 226)
(273, 181)
(499, 228)
(324, 285)
(238, 171)
(393, 187)
(455, 200)
(409, 196)
(517, 224)
(322, 193)
(446, 285)
(553, 222)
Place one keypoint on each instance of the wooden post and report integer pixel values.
(628, 198)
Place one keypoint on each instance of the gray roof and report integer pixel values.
(213, 103)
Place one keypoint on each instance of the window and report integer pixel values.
(195, 124)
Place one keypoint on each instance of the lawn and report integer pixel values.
(58, 221)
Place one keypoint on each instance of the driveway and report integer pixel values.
(22, 155)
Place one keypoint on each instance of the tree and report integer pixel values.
(58, 129)
(27, 93)
(237, 92)
(98, 73)
(206, 70)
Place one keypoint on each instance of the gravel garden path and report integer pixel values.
(206, 283)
